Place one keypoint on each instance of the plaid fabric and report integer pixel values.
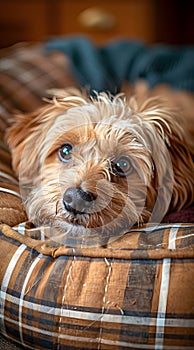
(11, 206)
(25, 75)
(136, 293)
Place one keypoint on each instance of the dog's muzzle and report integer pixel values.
(78, 201)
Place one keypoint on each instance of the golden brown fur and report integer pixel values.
(102, 132)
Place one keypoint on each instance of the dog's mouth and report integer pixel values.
(83, 219)
(86, 229)
(89, 221)
(76, 220)
(81, 215)
(94, 217)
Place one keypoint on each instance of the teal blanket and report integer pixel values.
(107, 67)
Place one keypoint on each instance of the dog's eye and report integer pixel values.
(122, 166)
(64, 152)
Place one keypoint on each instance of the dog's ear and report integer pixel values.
(26, 136)
(170, 129)
(24, 130)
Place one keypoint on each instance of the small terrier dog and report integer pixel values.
(94, 166)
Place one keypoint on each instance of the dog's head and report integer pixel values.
(95, 166)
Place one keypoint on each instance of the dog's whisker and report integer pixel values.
(57, 205)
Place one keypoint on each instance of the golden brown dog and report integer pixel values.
(95, 166)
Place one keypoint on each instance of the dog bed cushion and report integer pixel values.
(136, 293)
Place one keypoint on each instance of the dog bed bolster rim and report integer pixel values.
(99, 252)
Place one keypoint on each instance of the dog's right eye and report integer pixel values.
(122, 166)
(64, 152)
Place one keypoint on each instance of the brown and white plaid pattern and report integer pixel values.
(136, 293)
(25, 75)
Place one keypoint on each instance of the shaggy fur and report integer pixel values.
(105, 136)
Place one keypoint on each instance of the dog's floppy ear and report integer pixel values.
(170, 129)
(25, 133)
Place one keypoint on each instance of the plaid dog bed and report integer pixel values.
(138, 292)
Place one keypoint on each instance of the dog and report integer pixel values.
(95, 166)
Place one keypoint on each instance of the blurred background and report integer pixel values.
(150, 21)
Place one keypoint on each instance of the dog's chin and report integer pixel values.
(75, 234)
(70, 234)
(93, 228)
(84, 231)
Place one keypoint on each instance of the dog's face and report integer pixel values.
(94, 167)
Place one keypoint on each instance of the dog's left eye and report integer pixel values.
(64, 152)
(122, 166)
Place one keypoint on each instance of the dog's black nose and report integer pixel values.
(78, 201)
